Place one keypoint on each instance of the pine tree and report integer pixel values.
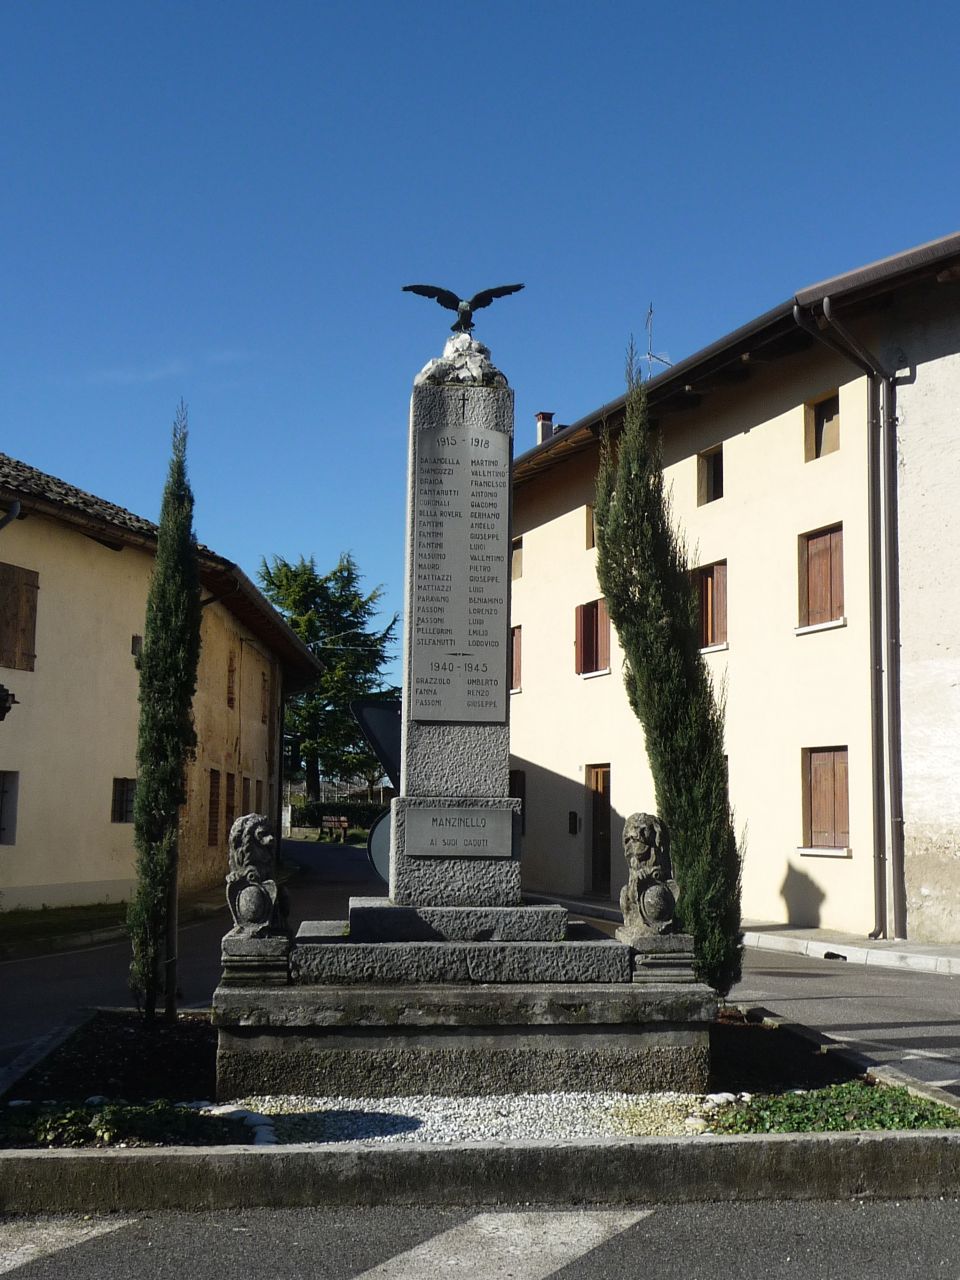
(643, 572)
(332, 615)
(166, 737)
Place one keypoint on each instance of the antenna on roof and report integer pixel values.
(651, 354)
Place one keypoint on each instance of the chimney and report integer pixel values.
(544, 426)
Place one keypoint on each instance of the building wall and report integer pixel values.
(75, 726)
(785, 692)
(929, 495)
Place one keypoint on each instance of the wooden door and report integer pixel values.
(598, 784)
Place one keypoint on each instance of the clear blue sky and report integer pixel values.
(221, 200)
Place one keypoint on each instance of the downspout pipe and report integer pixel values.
(11, 514)
(880, 385)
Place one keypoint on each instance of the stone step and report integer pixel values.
(380, 920)
(343, 963)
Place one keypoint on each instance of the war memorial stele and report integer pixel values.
(450, 985)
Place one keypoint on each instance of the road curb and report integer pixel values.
(608, 1171)
(874, 956)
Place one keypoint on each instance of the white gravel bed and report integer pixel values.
(473, 1119)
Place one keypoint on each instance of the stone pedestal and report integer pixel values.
(451, 985)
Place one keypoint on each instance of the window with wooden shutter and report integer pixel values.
(826, 817)
(821, 576)
(591, 638)
(515, 668)
(711, 583)
(245, 795)
(213, 809)
(18, 617)
(259, 795)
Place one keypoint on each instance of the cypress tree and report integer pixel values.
(643, 572)
(166, 737)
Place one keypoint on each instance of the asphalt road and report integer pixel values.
(854, 1239)
(42, 993)
(907, 1019)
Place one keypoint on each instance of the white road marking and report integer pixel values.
(23, 1240)
(521, 1246)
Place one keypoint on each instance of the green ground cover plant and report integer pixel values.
(113, 1124)
(855, 1104)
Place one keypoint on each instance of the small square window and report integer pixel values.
(124, 793)
(821, 427)
(516, 558)
(710, 475)
(9, 787)
(592, 638)
(711, 581)
(591, 528)
(821, 576)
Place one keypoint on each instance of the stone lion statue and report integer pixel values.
(253, 896)
(649, 898)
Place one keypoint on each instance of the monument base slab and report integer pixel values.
(459, 1040)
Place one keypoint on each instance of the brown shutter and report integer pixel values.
(603, 636)
(259, 795)
(803, 610)
(841, 803)
(836, 573)
(9, 615)
(822, 804)
(819, 577)
(245, 795)
(720, 603)
(578, 640)
(707, 606)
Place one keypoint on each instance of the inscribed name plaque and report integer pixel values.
(459, 833)
(461, 562)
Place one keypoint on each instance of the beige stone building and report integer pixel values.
(813, 458)
(74, 575)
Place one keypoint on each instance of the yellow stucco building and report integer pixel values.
(74, 575)
(814, 464)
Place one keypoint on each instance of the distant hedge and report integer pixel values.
(359, 813)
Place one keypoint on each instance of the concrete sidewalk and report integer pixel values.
(828, 944)
(821, 944)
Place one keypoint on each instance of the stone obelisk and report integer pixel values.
(454, 830)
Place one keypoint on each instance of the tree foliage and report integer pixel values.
(333, 616)
(642, 568)
(166, 737)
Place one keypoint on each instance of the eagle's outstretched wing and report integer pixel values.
(484, 298)
(443, 296)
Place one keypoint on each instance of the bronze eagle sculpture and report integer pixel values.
(462, 306)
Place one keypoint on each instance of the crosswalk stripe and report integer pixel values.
(24, 1240)
(523, 1246)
